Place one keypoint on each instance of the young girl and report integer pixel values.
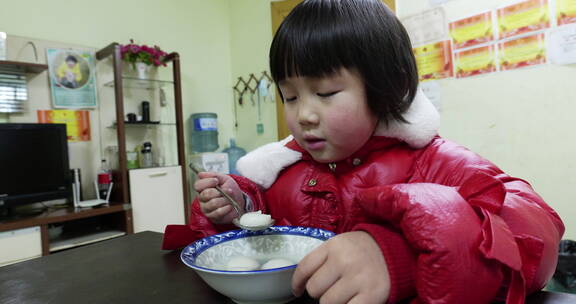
(417, 216)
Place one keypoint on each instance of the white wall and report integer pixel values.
(250, 39)
(521, 120)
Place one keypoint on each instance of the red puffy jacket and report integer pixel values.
(453, 228)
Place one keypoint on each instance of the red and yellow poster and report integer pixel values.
(77, 122)
(434, 60)
(523, 17)
(522, 52)
(565, 11)
(472, 30)
(475, 61)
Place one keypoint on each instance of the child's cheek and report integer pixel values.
(350, 126)
(292, 124)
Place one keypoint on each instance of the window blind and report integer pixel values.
(13, 92)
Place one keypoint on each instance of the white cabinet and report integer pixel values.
(19, 245)
(157, 198)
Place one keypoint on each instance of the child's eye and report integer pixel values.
(327, 94)
(288, 99)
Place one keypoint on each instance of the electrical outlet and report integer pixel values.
(259, 128)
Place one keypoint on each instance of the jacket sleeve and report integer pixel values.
(199, 226)
(479, 233)
(399, 256)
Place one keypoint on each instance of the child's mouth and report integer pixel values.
(314, 143)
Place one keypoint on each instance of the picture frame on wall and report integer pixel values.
(72, 78)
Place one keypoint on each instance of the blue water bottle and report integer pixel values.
(204, 132)
(234, 153)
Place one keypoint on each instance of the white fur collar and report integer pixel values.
(424, 122)
(263, 164)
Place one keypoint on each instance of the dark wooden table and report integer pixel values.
(129, 269)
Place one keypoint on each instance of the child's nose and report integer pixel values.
(307, 115)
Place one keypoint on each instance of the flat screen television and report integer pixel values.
(34, 164)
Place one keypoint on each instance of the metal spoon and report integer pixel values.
(236, 207)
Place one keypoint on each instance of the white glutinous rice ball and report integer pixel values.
(277, 263)
(255, 219)
(242, 263)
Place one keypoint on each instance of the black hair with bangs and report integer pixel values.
(71, 58)
(319, 37)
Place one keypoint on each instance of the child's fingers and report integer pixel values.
(306, 268)
(208, 194)
(219, 213)
(207, 174)
(212, 204)
(205, 183)
(339, 292)
(222, 178)
(322, 279)
(361, 298)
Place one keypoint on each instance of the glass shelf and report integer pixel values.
(144, 124)
(146, 84)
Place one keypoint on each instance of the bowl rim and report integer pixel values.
(193, 250)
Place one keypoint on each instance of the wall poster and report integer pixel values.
(426, 26)
(72, 78)
(77, 122)
(475, 61)
(524, 17)
(472, 31)
(562, 45)
(565, 11)
(522, 52)
(434, 60)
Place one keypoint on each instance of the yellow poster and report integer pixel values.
(475, 61)
(522, 52)
(77, 122)
(434, 60)
(523, 17)
(472, 30)
(565, 11)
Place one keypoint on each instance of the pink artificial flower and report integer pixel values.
(150, 55)
(135, 49)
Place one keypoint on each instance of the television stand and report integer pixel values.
(14, 213)
(118, 215)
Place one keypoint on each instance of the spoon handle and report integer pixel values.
(232, 201)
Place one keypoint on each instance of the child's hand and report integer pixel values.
(349, 268)
(215, 206)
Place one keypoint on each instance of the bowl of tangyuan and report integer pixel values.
(253, 266)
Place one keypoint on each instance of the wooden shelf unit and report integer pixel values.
(118, 84)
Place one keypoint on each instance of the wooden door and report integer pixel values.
(281, 9)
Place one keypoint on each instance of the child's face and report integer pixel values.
(329, 117)
(70, 63)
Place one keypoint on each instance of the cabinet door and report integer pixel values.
(19, 245)
(157, 198)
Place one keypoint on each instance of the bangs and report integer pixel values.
(313, 49)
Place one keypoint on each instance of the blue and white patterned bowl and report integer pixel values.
(209, 256)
